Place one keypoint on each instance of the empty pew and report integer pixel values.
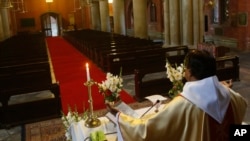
(96, 44)
(146, 85)
(230, 68)
(28, 105)
(26, 72)
(100, 54)
(129, 61)
(103, 55)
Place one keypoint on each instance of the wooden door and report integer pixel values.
(50, 24)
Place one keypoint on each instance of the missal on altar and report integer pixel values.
(126, 109)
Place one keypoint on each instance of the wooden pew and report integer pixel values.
(102, 56)
(24, 75)
(129, 61)
(25, 70)
(96, 44)
(146, 85)
(40, 103)
(101, 53)
(230, 68)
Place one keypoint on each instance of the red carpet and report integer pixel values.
(70, 72)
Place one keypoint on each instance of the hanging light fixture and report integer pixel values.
(23, 7)
(211, 3)
(6, 4)
(15, 5)
(49, 1)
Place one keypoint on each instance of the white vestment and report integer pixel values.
(185, 119)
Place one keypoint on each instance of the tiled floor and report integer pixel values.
(242, 86)
(13, 134)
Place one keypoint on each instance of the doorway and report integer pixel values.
(50, 24)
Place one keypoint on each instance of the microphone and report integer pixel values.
(158, 101)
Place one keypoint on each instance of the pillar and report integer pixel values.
(104, 15)
(174, 18)
(119, 17)
(87, 19)
(1, 28)
(140, 18)
(201, 22)
(5, 22)
(95, 16)
(166, 23)
(183, 22)
(187, 21)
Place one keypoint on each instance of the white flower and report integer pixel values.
(175, 75)
(67, 120)
(111, 87)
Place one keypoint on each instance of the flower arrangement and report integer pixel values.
(71, 117)
(175, 75)
(111, 87)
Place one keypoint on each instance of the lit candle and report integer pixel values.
(87, 71)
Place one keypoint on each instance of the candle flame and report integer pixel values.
(87, 65)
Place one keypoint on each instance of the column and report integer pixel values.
(95, 16)
(183, 22)
(187, 21)
(201, 29)
(104, 15)
(166, 23)
(174, 18)
(196, 21)
(1, 28)
(119, 17)
(140, 18)
(5, 22)
(87, 19)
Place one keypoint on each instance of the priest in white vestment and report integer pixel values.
(202, 112)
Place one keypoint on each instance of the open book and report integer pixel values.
(126, 109)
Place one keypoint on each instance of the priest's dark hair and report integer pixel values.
(201, 63)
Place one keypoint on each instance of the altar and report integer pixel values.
(80, 132)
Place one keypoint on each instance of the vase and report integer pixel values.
(176, 89)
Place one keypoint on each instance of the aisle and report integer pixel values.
(69, 68)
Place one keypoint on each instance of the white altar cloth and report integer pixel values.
(80, 132)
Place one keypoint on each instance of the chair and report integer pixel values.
(216, 51)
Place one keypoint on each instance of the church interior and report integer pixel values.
(27, 26)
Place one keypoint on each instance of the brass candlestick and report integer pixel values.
(92, 120)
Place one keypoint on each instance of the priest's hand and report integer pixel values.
(228, 83)
(112, 110)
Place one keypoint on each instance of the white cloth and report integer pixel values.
(80, 132)
(209, 95)
(140, 112)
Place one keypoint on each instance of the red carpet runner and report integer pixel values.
(70, 72)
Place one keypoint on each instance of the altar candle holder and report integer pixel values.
(92, 120)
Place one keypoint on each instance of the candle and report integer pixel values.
(87, 71)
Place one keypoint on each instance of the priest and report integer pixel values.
(203, 111)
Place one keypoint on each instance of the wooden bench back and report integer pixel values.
(155, 57)
(161, 85)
